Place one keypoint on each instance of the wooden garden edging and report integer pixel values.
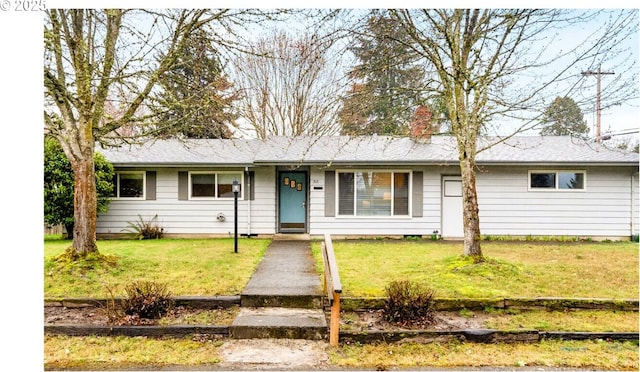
(540, 303)
(481, 336)
(332, 288)
(178, 330)
(194, 302)
(468, 335)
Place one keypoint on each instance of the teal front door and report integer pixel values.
(293, 201)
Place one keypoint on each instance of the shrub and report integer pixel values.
(145, 229)
(409, 303)
(147, 300)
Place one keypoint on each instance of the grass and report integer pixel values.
(194, 267)
(522, 269)
(126, 353)
(598, 355)
(565, 321)
(513, 269)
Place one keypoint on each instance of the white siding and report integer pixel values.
(195, 216)
(507, 207)
(606, 208)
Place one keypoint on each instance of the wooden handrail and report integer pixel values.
(332, 287)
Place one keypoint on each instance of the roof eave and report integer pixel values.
(180, 165)
(560, 163)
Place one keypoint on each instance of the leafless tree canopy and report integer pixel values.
(289, 85)
(513, 63)
(101, 66)
(492, 64)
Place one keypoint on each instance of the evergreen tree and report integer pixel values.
(196, 97)
(563, 117)
(387, 81)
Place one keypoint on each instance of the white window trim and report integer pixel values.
(392, 171)
(117, 186)
(216, 173)
(556, 188)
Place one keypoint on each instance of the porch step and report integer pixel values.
(298, 237)
(295, 301)
(279, 322)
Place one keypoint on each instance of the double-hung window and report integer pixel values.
(373, 193)
(213, 185)
(556, 180)
(130, 185)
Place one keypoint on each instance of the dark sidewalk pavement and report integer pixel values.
(287, 269)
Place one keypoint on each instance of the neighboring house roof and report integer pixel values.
(364, 149)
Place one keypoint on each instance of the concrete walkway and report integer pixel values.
(287, 269)
(283, 298)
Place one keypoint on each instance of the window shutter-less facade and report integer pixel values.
(150, 192)
(416, 195)
(183, 185)
(329, 194)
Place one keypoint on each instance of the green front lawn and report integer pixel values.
(514, 269)
(189, 267)
(209, 267)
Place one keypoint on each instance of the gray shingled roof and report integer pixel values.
(366, 149)
(190, 152)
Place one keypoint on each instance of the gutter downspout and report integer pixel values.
(633, 202)
(249, 186)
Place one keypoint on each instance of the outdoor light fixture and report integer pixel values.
(235, 187)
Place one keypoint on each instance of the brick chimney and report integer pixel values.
(421, 126)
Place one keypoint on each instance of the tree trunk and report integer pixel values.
(470, 209)
(85, 206)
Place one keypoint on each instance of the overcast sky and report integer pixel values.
(22, 51)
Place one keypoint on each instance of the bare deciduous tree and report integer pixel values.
(100, 68)
(492, 64)
(289, 86)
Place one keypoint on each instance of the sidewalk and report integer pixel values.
(287, 269)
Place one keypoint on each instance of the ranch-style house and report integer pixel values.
(373, 186)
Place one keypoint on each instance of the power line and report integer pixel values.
(598, 74)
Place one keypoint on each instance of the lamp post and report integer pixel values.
(235, 187)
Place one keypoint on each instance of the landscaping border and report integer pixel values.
(481, 336)
(195, 302)
(457, 304)
(376, 303)
(363, 304)
(346, 337)
(215, 331)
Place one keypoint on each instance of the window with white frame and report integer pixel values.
(557, 180)
(129, 185)
(373, 193)
(213, 185)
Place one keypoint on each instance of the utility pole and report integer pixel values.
(598, 74)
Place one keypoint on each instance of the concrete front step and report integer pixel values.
(298, 237)
(282, 300)
(279, 322)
